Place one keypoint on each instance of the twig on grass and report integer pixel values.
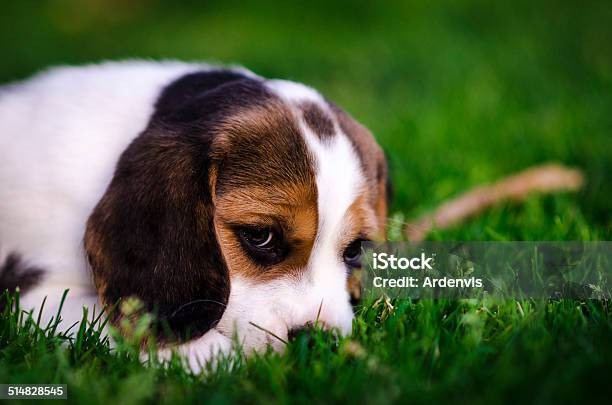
(547, 178)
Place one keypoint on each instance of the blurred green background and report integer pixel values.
(459, 93)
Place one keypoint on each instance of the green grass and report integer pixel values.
(459, 94)
(460, 351)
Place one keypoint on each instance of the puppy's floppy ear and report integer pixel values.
(152, 235)
(373, 162)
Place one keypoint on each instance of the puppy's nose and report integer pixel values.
(305, 330)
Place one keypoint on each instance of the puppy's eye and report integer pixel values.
(352, 254)
(263, 244)
(259, 238)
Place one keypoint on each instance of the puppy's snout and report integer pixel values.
(309, 332)
(305, 330)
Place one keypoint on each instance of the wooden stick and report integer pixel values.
(547, 178)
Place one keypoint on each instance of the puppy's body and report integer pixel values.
(61, 134)
(162, 169)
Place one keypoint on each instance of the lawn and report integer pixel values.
(458, 94)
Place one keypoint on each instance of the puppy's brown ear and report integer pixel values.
(152, 235)
(374, 164)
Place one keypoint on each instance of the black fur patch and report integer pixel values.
(318, 121)
(176, 102)
(152, 234)
(14, 273)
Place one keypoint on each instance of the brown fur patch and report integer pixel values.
(362, 223)
(296, 217)
(266, 178)
(362, 219)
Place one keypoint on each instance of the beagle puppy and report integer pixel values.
(228, 204)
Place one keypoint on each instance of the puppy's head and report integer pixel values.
(241, 207)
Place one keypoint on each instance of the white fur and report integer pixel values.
(61, 134)
(295, 92)
(199, 351)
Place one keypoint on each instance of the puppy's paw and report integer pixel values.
(199, 352)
